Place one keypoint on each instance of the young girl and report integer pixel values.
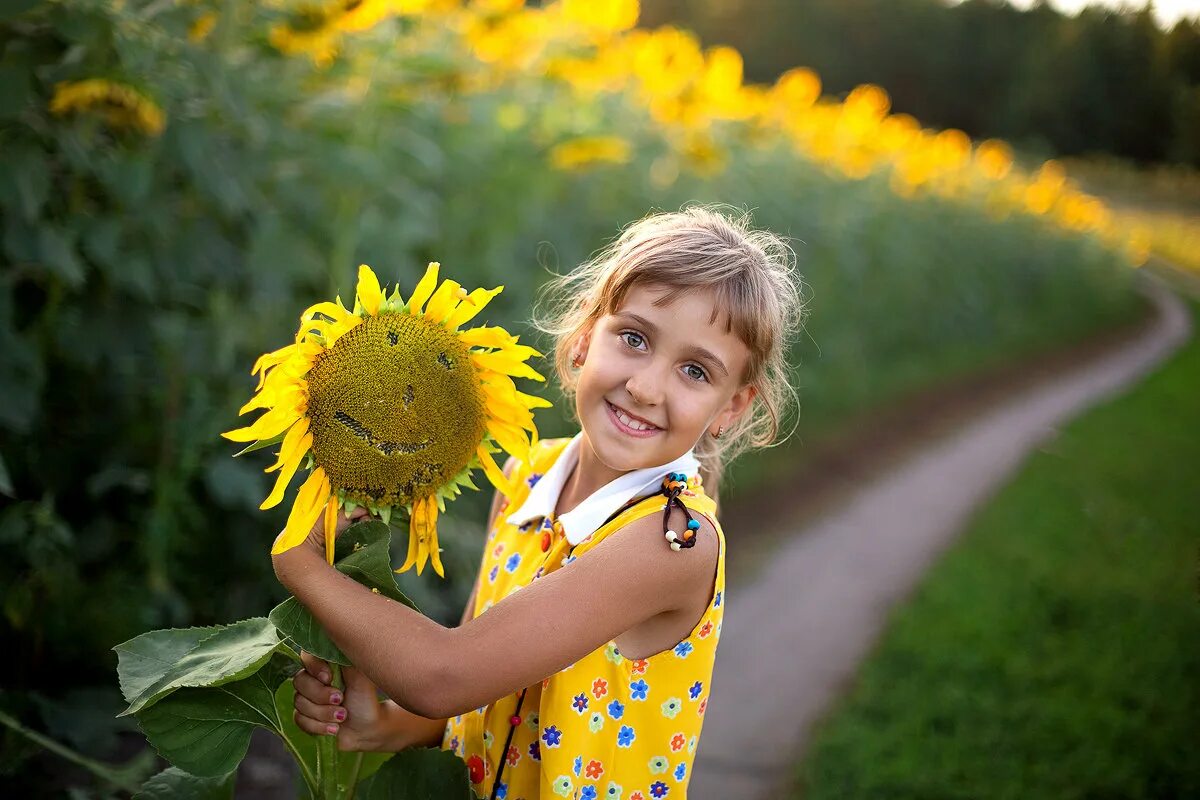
(583, 663)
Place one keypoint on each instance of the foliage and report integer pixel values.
(1103, 80)
(1051, 652)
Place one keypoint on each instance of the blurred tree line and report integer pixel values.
(1104, 81)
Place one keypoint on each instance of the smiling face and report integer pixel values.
(395, 409)
(655, 378)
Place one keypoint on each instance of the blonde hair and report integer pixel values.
(700, 247)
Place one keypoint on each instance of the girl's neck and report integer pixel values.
(587, 476)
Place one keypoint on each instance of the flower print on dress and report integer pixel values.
(683, 649)
(577, 767)
(717, 600)
(587, 793)
(659, 789)
(637, 796)
(487, 739)
(616, 710)
(599, 688)
(594, 769)
(532, 720)
(535, 751)
(493, 573)
(514, 755)
(580, 703)
(705, 630)
(692, 745)
(513, 562)
(680, 770)
(639, 666)
(677, 742)
(533, 479)
(552, 736)
(671, 707)
(625, 736)
(563, 785)
(613, 654)
(695, 689)
(614, 791)
(638, 689)
(595, 722)
(703, 705)
(475, 769)
(501, 790)
(658, 765)
(497, 550)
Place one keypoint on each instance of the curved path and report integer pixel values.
(799, 629)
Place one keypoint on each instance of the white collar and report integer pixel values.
(581, 521)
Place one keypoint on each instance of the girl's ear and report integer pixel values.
(736, 406)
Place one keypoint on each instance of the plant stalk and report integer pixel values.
(327, 750)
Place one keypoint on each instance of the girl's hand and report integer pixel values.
(316, 536)
(354, 714)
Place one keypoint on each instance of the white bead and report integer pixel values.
(671, 536)
(675, 546)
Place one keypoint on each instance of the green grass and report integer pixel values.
(1054, 651)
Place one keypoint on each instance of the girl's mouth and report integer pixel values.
(628, 425)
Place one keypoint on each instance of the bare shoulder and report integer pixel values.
(640, 546)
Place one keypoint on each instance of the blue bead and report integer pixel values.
(693, 524)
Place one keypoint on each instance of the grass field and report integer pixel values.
(1052, 653)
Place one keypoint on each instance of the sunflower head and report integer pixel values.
(391, 406)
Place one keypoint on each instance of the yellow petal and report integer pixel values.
(369, 293)
(501, 362)
(510, 437)
(290, 464)
(331, 506)
(434, 551)
(273, 423)
(310, 500)
(414, 524)
(443, 301)
(487, 337)
(470, 307)
(494, 473)
(533, 401)
(424, 289)
(334, 311)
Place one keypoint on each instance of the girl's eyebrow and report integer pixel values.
(704, 353)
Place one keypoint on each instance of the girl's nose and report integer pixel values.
(645, 387)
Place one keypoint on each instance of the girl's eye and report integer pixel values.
(637, 337)
(699, 377)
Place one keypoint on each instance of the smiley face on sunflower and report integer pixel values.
(391, 406)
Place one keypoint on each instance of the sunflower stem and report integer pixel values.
(327, 751)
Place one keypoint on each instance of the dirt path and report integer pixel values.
(800, 625)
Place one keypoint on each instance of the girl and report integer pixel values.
(583, 663)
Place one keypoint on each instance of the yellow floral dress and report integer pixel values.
(605, 727)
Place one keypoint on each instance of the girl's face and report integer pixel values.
(654, 379)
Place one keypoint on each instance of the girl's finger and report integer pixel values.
(316, 667)
(312, 726)
(319, 713)
(309, 687)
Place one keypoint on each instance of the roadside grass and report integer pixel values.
(1053, 651)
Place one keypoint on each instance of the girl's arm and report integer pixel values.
(438, 672)
(366, 724)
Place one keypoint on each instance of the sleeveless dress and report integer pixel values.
(606, 727)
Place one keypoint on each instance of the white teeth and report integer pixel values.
(631, 422)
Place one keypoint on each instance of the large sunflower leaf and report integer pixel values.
(362, 553)
(175, 784)
(304, 745)
(419, 773)
(206, 731)
(157, 663)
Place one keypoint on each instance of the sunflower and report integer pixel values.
(391, 406)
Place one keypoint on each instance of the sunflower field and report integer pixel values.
(180, 177)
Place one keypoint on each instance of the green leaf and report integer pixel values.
(422, 773)
(363, 553)
(175, 784)
(157, 663)
(206, 731)
(304, 745)
(57, 251)
(260, 444)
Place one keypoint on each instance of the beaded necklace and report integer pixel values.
(673, 484)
